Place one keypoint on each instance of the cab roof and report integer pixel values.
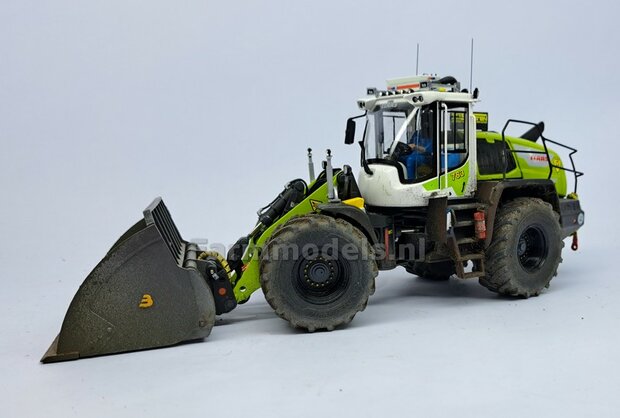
(407, 92)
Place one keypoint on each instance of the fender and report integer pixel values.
(353, 215)
(493, 193)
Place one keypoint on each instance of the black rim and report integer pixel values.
(532, 248)
(319, 278)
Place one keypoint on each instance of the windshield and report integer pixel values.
(403, 137)
(412, 138)
(385, 128)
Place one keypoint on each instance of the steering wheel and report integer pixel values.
(401, 150)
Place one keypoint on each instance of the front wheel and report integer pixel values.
(317, 272)
(526, 248)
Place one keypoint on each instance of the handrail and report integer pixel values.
(445, 146)
(572, 150)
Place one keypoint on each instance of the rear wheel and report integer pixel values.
(317, 272)
(526, 248)
(432, 271)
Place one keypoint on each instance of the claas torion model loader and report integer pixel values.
(437, 193)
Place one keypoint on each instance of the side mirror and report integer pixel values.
(349, 135)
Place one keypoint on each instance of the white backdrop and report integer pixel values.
(105, 105)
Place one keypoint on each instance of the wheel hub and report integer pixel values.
(319, 272)
(532, 248)
(321, 278)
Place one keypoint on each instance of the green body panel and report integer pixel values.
(528, 165)
(250, 279)
(457, 179)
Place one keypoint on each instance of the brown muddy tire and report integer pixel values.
(432, 271)
(327, 281)
(526, 249)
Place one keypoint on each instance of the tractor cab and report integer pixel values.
(418, 142)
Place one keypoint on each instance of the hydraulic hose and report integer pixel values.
(292, 194)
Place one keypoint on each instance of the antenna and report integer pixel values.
(471, 65)
(417, 58)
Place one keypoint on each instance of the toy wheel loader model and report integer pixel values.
(437, 193)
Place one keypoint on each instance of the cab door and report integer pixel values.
(455, 173)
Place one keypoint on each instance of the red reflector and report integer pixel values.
(480, 225)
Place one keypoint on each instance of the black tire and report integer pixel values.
(317, 288)
(526, 249)
(432, 271)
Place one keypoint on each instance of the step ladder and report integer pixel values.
(462, 240)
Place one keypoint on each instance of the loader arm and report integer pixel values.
(249, 281)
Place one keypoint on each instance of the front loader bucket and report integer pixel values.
(145, 293)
